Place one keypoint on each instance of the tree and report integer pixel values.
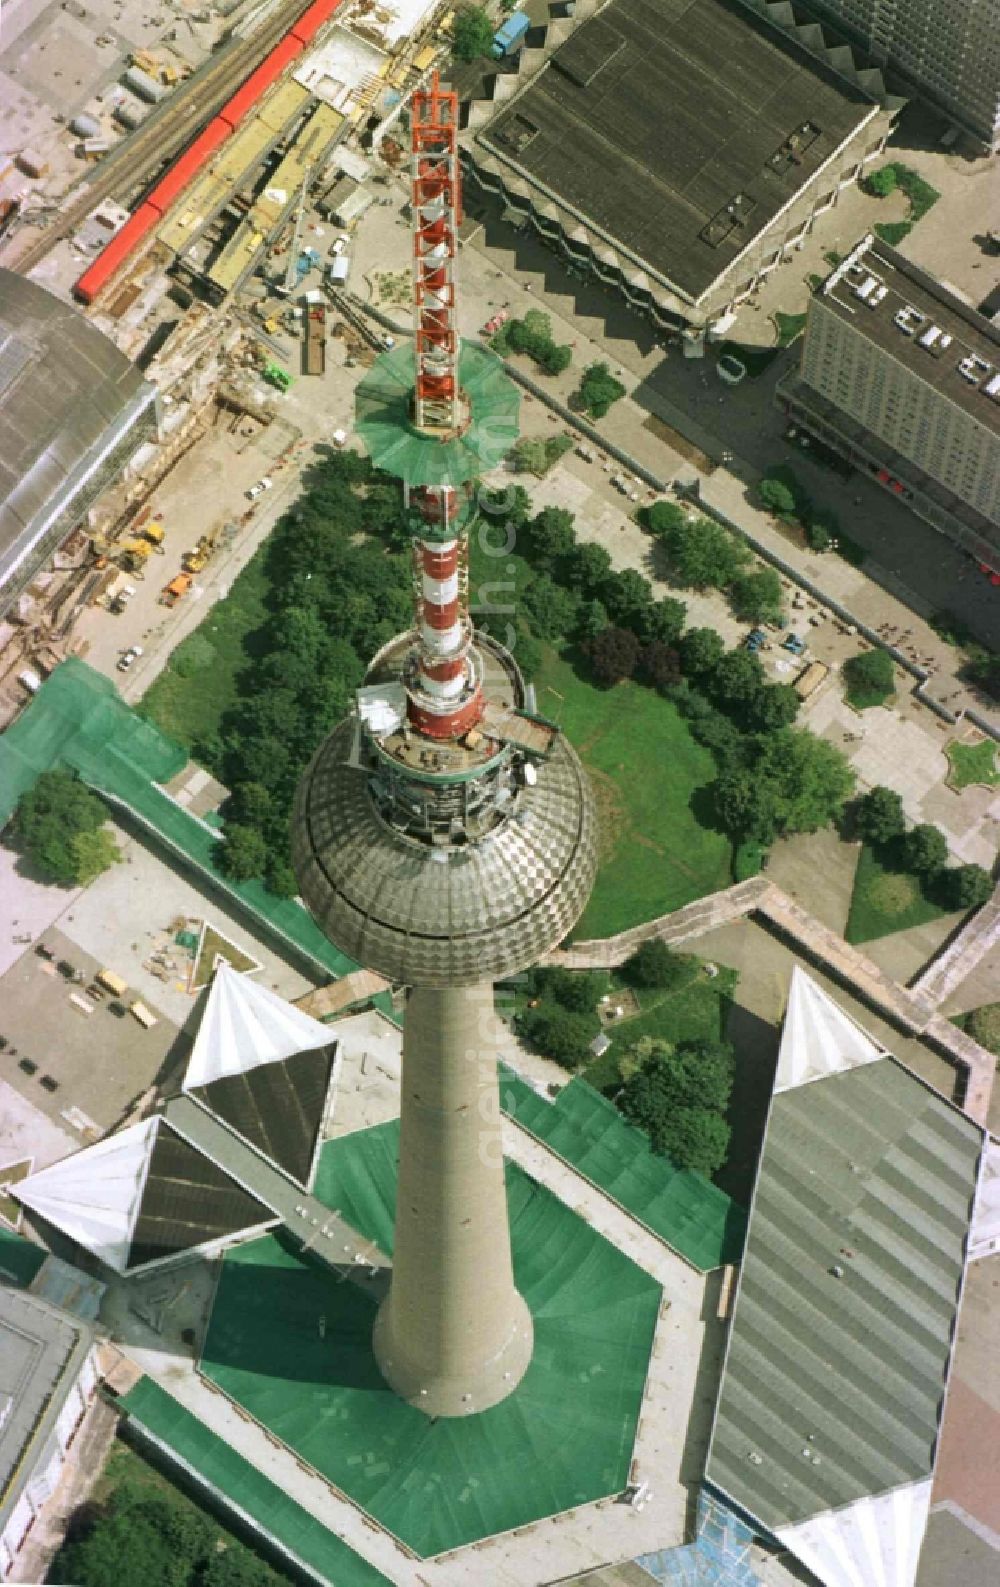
(776, 496)
(585, 567)
(678, 1097)
(549, 536)
(925, 850)
(559, 1033)
(654, 965)
(242, 853)
(628, 598)
(967, 886)
(702, 554)
(528, 455)
(50, 817)
(663, 621)
(143, 1539)
(737, 680)
(554, 358)
(882, 182)
(663, 517)
(512, 504)
(797, 783)
(701, 650)
(660, 665)
(237, 1567)
(592, 619)
(613, 654)
(878, 816)
(553, 610)
(472, 33)
(280, 879)
(576, 990)
(250, 805)
(93, 853)
(757, 597)
(776, 706)
(598, 389)
(870, 677)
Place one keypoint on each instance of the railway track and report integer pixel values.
(166, 130)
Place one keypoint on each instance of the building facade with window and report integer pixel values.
(950, 52)
(48, 1376)
(902, 378)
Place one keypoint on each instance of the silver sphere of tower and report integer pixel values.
(479, 889)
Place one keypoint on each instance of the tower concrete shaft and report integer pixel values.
(453, 1336)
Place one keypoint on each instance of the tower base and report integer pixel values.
(435, 1393)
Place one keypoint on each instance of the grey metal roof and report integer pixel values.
(656, 115)
(833, 1386)
(65, 391)
(41, 1351)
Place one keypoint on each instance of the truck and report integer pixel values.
(314, 320)
(509, 36)
(172, 592)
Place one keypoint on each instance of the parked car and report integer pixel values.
(338, 245)
(129, 657)
(795, 643)
(261, 486)
(755, 640)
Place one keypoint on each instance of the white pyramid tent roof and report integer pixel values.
(984, 1237)
(818, 1038)
(873, 1543)
(94, 1196)
(243, 1026)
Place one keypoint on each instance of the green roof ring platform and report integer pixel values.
(385, 425)
(564, 1437)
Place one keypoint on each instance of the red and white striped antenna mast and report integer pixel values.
(436, 206)
(444, 687)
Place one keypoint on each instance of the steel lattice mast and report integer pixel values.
(444, 837)
(445, 697)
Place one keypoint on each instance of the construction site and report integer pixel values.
(214, 289)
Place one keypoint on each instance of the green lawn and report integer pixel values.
(696, 1012)
(645, 767)
(190, 697)
(884, 901)
(789, 326)
(973, 763)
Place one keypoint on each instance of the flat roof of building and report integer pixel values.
(41, 1350)
(678, 129)
(921, 323)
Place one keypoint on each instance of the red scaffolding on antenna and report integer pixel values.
(436, 215)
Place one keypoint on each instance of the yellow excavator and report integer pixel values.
(193, 561)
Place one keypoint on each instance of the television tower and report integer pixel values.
(445, 836)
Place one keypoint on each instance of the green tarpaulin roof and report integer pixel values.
(383, 419)
(246, 1489)
(78, 719)
(564, 1437)
(693, 1216)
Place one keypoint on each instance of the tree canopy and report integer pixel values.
(925, 849)
(557, 1032)
(701, 553)
(967, 886)
(598, 390)
(655, 966)
(614, 653)
(797, 783)
(679, 1097)
(59, 824)
(878, 816)
(757, 597)
(472, 33)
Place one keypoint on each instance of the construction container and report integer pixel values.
(147, 1019)
(339, 269)
(85, 126)
(32, 163)
(510, 35)
(111, 982)
(93, 148)
(143, 85)
(130, 115)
